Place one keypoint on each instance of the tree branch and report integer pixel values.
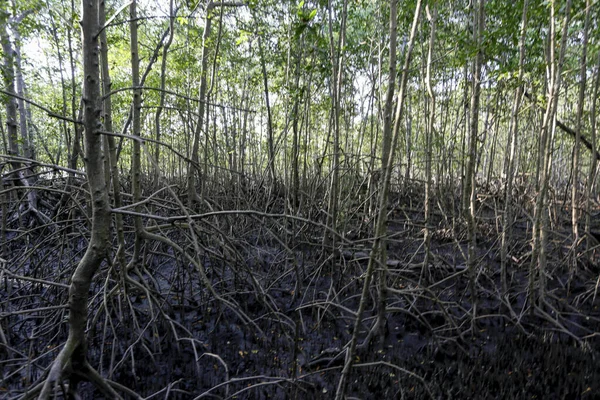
(564, 127)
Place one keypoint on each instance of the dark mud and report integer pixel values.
(286, 315)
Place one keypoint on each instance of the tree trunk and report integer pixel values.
(546, 138)
(136, 158)
(110, 146)
(75, 349)
(375, 257)
(510, 164)
(580, 101)
(297, 96)
(470, 189)
(163, 77)
(192, 169)
(8, 72)
(10, 101)
(593, 158)
(337, 62)
(429, 140)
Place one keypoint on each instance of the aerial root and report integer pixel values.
(61, 369)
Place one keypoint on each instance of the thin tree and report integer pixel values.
(270, 134)
(192, 169)
(163, 78)
(576, 166)
(136, 158)
(376, 257)
(337, 63)
(74, 352)
(110, 147)
(470, 187)
(512, 146)
(432, 16)
(24, 108)
(8, 74)
(593, 157)
(539, 231)
(12, 119)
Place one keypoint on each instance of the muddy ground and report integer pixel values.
(286, 312)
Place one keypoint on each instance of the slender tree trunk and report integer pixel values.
(381, 224)
(210, 96)
(8, 72)
(295, 192)
(163, 77)
(463, 144)
(200, 123)
(76, 114)
(61, 67)
(547, 134)
(72, 138)
(387, 163)
(75, 349)
(470, 189)
(593, 158)
(24, 110)
(337, 62)
(373, 173)
(391, 85)
(270, 134)
(580, 103)
(429, 139)
(243, 137)
(136, 158)
(510, 164)
(10, 101)
(110, 146)
(192, 170)
(408, 139)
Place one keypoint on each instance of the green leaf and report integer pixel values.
(243, 38)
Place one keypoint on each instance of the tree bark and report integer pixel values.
(191, 169)
(593, 158)
(12, 124)
(381, 223)
(270, 134)
(163, 77)
(429, 139)
(575, 180)
(136, 159)
(8, 73)
(337, 62)
(538, 252)
(470, 189)
(512, 146)
(75, 349)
